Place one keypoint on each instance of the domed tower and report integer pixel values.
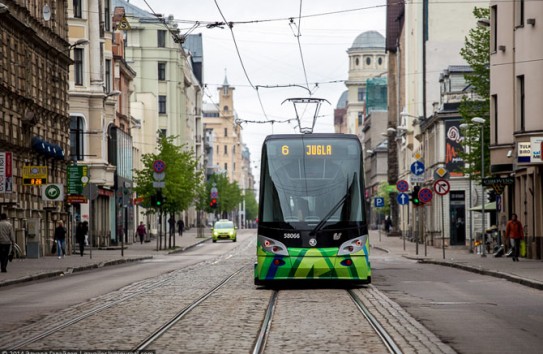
(367, 59)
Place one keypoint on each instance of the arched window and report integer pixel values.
(368, 60)
(380, 61)
(225, 108)
(357, 61)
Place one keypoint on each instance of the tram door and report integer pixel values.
(457, 209)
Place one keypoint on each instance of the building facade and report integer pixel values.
(34, 119)
(516, 127)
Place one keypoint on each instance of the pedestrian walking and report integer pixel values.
(388, 224)
(171, 221)
(7, 241)
(60, 239)
(515, 233)
(141, 231)
(180, 226)
(80, 233)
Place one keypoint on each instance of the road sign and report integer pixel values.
(91, 191)
(442, 187)
(159, 176)
(402, 198)
(441, 173)
(159, 166)
(78, 177)
(417, 168)
(159, 184)
(402, 185)
(214, 192)
(379, 202)
(425, 195)
(416, 179)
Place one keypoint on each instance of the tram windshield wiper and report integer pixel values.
(331, 212)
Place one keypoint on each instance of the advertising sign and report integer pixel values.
(52, 192)
(524, 152)
(536, 147)
(6, 172)
(453, 145)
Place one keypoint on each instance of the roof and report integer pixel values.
(133, 11)
(193, 43)
(369, 40)
(342, 102)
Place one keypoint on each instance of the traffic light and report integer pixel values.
(157, 200)
(213, 203)
(415, 195)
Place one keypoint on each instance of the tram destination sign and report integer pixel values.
(498, 180)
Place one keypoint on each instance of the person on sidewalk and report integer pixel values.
(7, 240)
(80, 232)
(180, 226)
(141, 231)
(60, 239)
(515, 233)
(171, 221)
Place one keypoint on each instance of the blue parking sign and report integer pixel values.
(379, 202)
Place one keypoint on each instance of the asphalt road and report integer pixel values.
(472, 313)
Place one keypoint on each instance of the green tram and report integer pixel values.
(312, 220)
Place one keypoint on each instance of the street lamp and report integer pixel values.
(467, 126)
(481, 121)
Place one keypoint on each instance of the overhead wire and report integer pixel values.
(230, 26)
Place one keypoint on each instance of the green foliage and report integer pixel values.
(182, 178)
(229, 194)
(383, 191)
(476, 52)
(251, 205)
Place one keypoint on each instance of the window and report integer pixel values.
(218, 148)
(226, 149)
(107, 79)
(161, 38)
(162, 71)
(361, 94)
(493, 29)
(226, 166)
(521, 102)
(360, 118)
(368, 60)
(380, 61)
(357, 61)
(519, 13)
(162, 104)
(76, 138)
(162, 133)
(225, 132)
(494, 105)
(77, 8)
(225, 108)
(107, 16)
(78, 66)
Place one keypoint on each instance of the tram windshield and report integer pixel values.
(311, 182)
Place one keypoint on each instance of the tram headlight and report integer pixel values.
(352, 246)
(273, 246)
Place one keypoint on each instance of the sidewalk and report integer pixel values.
(527, 272)
(28, 269)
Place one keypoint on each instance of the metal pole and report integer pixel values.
(442, 227)
(483, 254)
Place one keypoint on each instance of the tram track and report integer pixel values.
(263, 336)
(37, 336)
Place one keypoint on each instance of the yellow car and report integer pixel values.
(224, 230)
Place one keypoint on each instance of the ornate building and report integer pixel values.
(34, 120)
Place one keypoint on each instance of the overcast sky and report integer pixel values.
(272, 52)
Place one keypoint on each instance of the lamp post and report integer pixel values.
(481, 121)
(467, 126)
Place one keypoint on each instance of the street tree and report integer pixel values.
(182, 176)
(476, 52)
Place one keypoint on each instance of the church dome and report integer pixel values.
(369, 40)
